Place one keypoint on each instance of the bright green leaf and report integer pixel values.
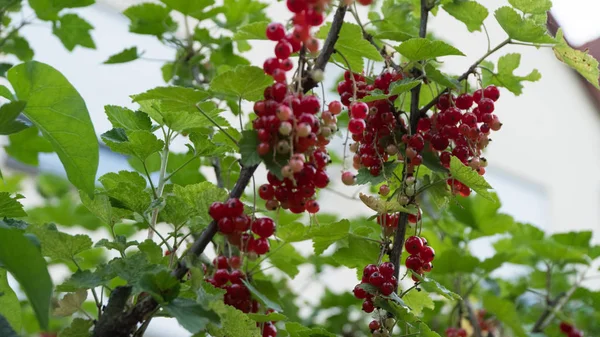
(72, 30)
(507, 64)
(58, 110)
(26, 145)
(421, 49)
(582, 62)
(521, 29)
(471, 13)
(505, 312)
(10, 207)
(6, 93)
(120, 243)
(126, 119)
(127, 190)
(234, 323)
(468, 176)
(100, 206)
(532, 6)
(425, 331)
(418, 300)
(79, 328)
(33, 276)
(246, 82)
(575, 239)
(402, 86)
(48, 9)
(10, 307)
(252, 31)
(393, 35)
(151, 19)
(455, 261)
(262, 298)
(351, 45)
(140, 144)
(271, 317)
(248, 146)
(324, 236)
(127, 55)
(287, 259)
(19, 47)
(191, 201)
(433, 286)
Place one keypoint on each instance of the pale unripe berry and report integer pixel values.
(327, 117)
(283, 147)
(283, 113)
(252, 256)
(384, 190)
(303, 130)
(348, 178)
(389, 323)
(377, 333)
(325, 131)
(317, 75)
(483, 162)
(411, 153)
(410, 180)
(357, 166)
(391, 149)
(403, 200)
(285, 129)
(353, 147)
(410, 190)
(287, 171)
(333, 126)
(474, 163)
(296, 165)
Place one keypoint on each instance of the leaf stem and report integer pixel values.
(149, 179)
(164, 159)
(216, 124)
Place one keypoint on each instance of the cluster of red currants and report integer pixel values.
(569, 330)
(383, 328)
(381, 278)
(239, 227)
(421, 255)
(227, 276)
(291, 128)
(371, 124)
(456, 332)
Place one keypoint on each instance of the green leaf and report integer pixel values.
(152, 251)
(245, 82)
(58, 245)
(252, 31)
(248, 146)
(402, 86)
(455, 261)
(150, 19)
(26, 145)
(433, 286)
(33, 276)
(191, 315)
(120, 243)
(10, 307)
(19, 47)
(127, 55)
(421, 49)
(532, 6)
(468, 176)
(505, 312)
(5, 329)
(8, 114)
(262, 298)
(100, 206)
(70, 303)
(193, 8)
(356, 252)
(482, 214)
(132, 269)
(351, 45)
(192, 201)
(58, 110)
(129, 189)
(140, 144)
(425, 331)
(86, 279)
(6, 93)
(364, 176)
(178, 108)
(72, 30)
(79, 328)
(10, 207)
(324, 236)
(521, 29)
(582, 62)
(507, 64)
(234, 323)
(556, 252)
(287, 259)
(393, 35)
(48, 9)
(575, 239)
(471, 13)
(440, 78)
(271, 317)
(418, 300)
(492, 263)
(126, 119)
(163, 286)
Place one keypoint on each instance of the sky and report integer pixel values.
(580, 19)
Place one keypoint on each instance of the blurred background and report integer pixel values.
(543, 163)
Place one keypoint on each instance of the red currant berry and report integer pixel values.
(359, 110)
(368, 306)
(312, 207)
(220, 262)
(286, 65)
(424, 125)
(413, 262)
(221, 276)
(356, 126)
(464, 101)
(297, 6)
(413, 245)
(261, 246)
(321, 179)
(234, 207)
(386, 288)
(376, 279)
(486, 105)
(266, 192)
(359, 292)
(369, 270)
(275, 31)
(348, 178)
(374, 325)
(384, 190)
(235, 262)
(478, 95)
(575, 333)
(236, 277)
(226, 226)
(427, 254)
(217, 210)
(283, 50)
(263, 149)
(263, 227)
(270, 65)
(439, 142)
(335, 107)
(491, 92)
(427, 267)
(386, 269)
(565, 327)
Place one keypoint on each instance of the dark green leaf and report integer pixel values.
(140, 144)
(248, 146)
(10, 307)
(324, 236)
(58, 245)
(252, 31)
(433, 286)
(129, 189)
(72, 30)
(402, 86)
(262, 298)
(393, 35)
(151, 19)
(471, 13)
(10, 207)
(455, 261)
(287, 259)
(100, 206)
(422, 49)
(468, 176)
(522, 29)
(581, 61)
(271, 317)
(245, 82)
(79, 328)
(33, 276)
(19, 47)
(86, 280)
(120, 243)
(58, 110)
(26, 145)
(440, 78)
(163, 286)
(364, 176)
(127, 55)
(492, 263)
(191, 315)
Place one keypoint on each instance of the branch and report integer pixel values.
(464, 76)
(122, 324)
(328, 47)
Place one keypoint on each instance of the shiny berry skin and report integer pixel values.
(220, 262)
(368, 306)
(236, 277)
(374, 325)
(486, 105)
(376, 279)
(413, 262)
(234, 207)
(575, 333)
(275, 31)
(384, 190)
(283, 50)
(269, 330)
(413, 245)
(335, 107)
(427, 254)
(359, 292)
(491, 92)
(461, 333)
(464, 101)
(263, 148)
(286, 65)
(321, 179)
(565, 327)
(235, 262)
(359, 110)
(221, 276)
(365, 2)
(348, 178)
(478, 95)
(386, 269)
(261, 246)
(271, 64)
(217, 210)
(439, 142)
(313, 207)
(356, 126)
(386, 288)
(266, 192)
(427, 267)
(263, 227)
(226, 226)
